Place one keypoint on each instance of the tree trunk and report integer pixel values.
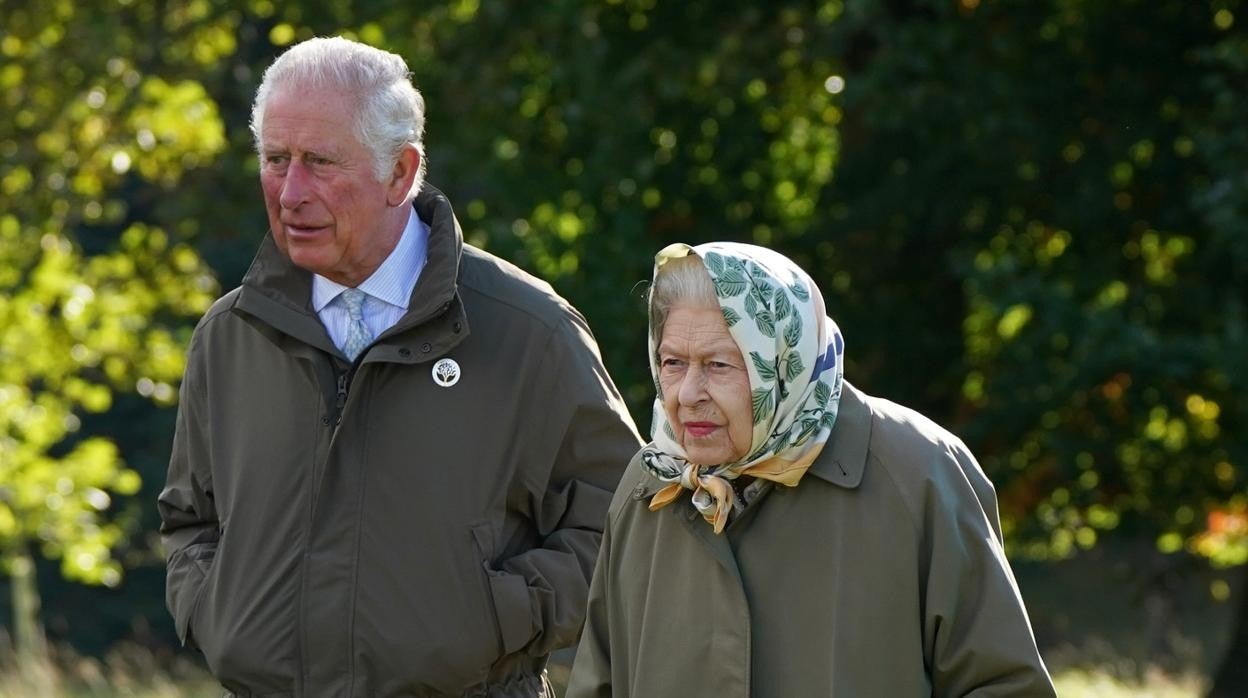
(29, 643)
(1231, 679)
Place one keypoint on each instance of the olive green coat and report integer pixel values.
(356, 529)
(881, 575)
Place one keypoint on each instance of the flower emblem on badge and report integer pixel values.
(446, 372)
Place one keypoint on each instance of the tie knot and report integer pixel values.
(353, 298)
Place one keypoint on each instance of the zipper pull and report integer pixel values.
(342, 392)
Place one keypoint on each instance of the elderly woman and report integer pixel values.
(786, 534)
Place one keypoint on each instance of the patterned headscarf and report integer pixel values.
(793, 353)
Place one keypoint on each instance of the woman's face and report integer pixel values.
(706, 387)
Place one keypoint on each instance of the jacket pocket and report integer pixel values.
(509, 595)
(186, 584)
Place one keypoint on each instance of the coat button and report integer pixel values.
(639, 492)
(426, 347)
(458, 327)
(325, 420)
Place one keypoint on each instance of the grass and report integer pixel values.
(1102, 635)
(127, 672)
(135, 673)
(1082, 683)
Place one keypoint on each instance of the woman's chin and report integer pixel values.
(708, 455)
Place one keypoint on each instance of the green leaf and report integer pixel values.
(783, 307)
(828, 419)
(765, 290)
(762, 399)
(715, 262)
(736, 265)
(809, 427)
(766, 323)
(751, 306)
(822, 393)
(793, 367)
(800, 292)
(731, 317)
(730, 284)
(766, 369)
(728, 289)
(793, 333)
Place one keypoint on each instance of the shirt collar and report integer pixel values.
(393, 281)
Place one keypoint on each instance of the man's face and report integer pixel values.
(327, 210)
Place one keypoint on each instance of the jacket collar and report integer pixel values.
(845, 455)
(279, 293)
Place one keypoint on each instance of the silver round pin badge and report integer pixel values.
(446, 372)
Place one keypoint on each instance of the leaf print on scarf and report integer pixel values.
(766, 370)
(782, 306)
(793, 367)
(799, 292)
(792, 333)
(763, 406)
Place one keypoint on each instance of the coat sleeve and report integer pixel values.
(977, 635)
(188, 517)
(581, 412)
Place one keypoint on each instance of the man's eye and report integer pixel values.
(275, 159)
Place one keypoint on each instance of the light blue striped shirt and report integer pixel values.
(387, 290)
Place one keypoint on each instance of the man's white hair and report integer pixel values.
(390, 112)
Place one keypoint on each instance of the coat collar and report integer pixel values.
(845, 455)
(279, 293)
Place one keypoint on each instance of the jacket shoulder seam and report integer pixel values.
(552, 316)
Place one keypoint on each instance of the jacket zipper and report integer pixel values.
(341, 400)
(342, 382)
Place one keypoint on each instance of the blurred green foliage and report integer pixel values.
(80, 325)
(1029, 217)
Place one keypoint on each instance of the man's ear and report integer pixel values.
(401, 177)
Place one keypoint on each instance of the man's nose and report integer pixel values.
(294, 186)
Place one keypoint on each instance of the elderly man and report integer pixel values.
(394, 452)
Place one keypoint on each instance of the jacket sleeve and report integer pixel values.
(591, 670)
(580, 413)
(188, 517)
(977, 635)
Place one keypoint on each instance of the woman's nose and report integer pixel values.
(692, 387)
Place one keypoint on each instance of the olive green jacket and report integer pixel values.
(338, 529)
(881, 575)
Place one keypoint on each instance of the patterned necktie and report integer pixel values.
(358, 335)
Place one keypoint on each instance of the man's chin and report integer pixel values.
(313, 260)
